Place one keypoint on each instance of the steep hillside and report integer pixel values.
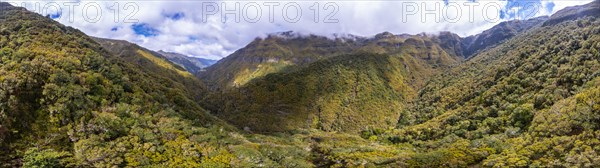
(191, 64)
(531, 101)
(67, 102)
(575, 12)
(286, 52)
(138, 55)
(289, 51)
(274, 53)
(347, 93)
(341, 93)
(498, 34)
(156, 65)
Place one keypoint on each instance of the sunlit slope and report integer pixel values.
(346, 93)
(155, 64)
(275, 53)
(529, 101)
(66, 99)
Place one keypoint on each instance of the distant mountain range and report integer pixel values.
(191, 64)
(183, 62)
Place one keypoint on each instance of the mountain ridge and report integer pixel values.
(498, 33)
(574, 12)
(286, 50)
(191, 64)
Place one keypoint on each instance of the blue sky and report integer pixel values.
(210, 29)
(143, 29)
(515, 9)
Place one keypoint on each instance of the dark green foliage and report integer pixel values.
(536, 92)
(66, 102)
(287, 52)
(333, 94)
(346, 92)
(471, 45)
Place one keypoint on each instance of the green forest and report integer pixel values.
(530, 97)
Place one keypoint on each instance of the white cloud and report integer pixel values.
(211, 38)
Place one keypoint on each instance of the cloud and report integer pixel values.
(215, 29)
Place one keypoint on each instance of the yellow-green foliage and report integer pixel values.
(35, 157)
(344, 150)
(276, 91)
(66, 102)
(270, 55)
(163, 63)
(347, 93)
(284, 54)
(261, 70)
(532, 101)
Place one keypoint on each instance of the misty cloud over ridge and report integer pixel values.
(215, 29)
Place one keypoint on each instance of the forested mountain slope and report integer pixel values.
(289, 51)
(168, 74)
(531, 101)
(498, 34)
(59, 89)
(65, 101)
(297, 96)
(347, 93)
(274, 53)
(285, 52)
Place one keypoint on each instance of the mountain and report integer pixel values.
(70, 100)
(498, 34)
(191, 64)
(575, 12)
(337, 93)
(157, 65)
(263, 77)
(328, 95)
(527, 99)
(275, 53)
(530, 101)
(288, 51)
